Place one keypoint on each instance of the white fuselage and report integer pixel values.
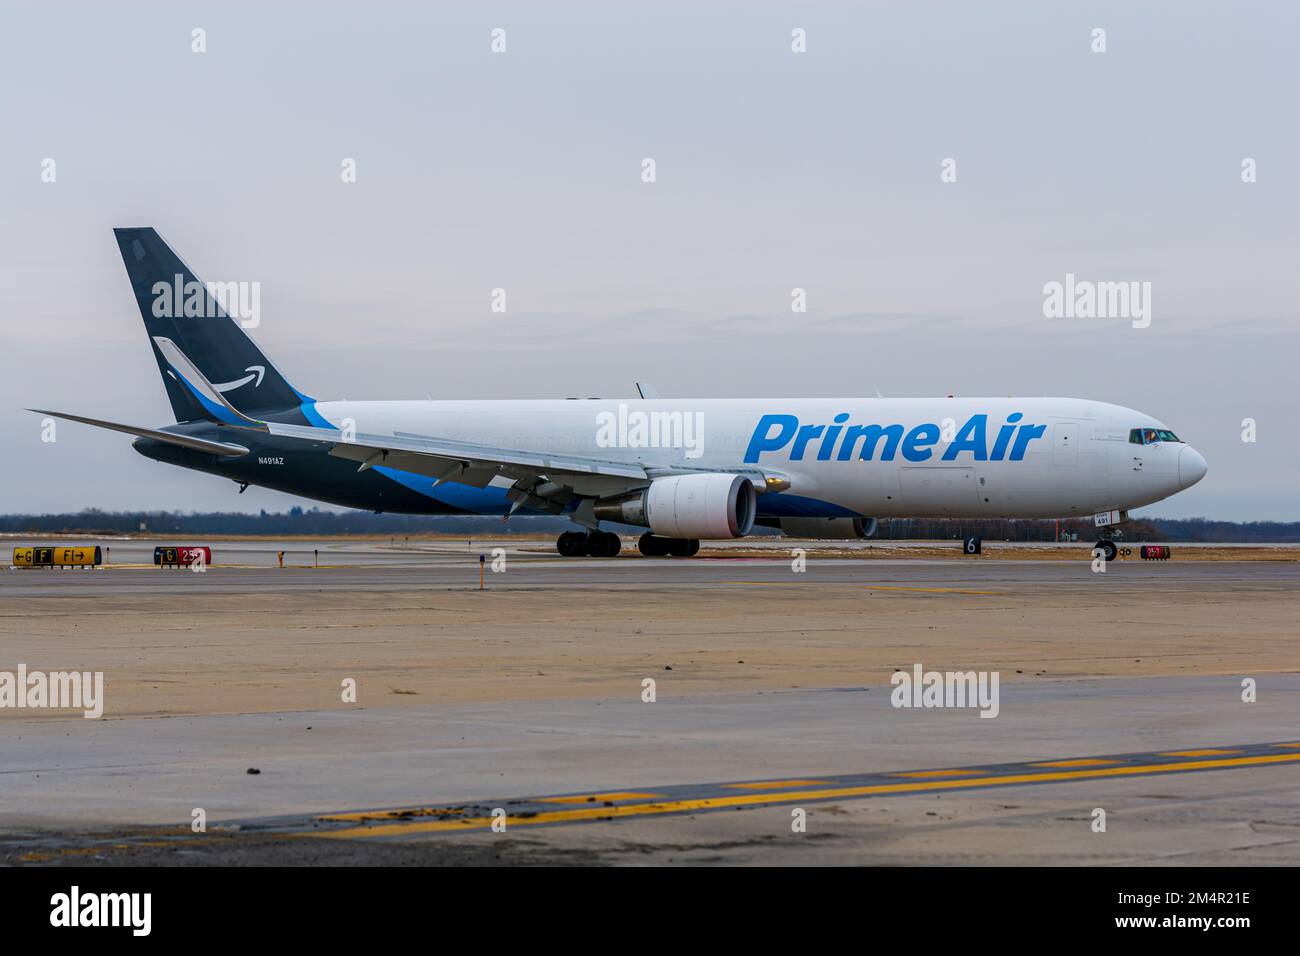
(995, 457)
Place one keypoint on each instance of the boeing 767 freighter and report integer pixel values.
(683, 469)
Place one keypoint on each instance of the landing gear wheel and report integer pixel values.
(653, 546)
(683, 547)
(572, 544)
(1108, 549)
(604, 544)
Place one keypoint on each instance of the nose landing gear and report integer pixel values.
(1107, 522)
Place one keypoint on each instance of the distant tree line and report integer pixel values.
(1002, 529)
(1137, 529)
(314, 521)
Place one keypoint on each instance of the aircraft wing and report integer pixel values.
(465, 462)
(544, 482)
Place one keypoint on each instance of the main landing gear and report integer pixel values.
(603, 544)
(653, 546)
(597, 544)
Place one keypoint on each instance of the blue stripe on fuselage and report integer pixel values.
(213, 409)
(482, 501)
(309, 412)
(784, 505)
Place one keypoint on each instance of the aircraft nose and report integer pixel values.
(1191, 467)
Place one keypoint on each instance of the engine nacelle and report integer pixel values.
(827, 529)
(687, 506)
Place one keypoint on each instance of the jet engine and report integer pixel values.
(687, 506)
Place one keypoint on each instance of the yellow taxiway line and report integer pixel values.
(740, 800)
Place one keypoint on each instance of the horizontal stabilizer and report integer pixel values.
(226, 450)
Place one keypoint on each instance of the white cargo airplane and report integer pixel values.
(683, 469)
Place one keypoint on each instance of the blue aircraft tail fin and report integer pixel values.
(178, 307)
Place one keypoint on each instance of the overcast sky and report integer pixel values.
(775, 170)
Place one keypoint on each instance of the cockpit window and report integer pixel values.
(1149, 436)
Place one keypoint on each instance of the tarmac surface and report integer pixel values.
(379, 565)
(772, 737)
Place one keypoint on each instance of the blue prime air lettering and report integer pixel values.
(883, 442)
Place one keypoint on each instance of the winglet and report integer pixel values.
(646, 390)
(214, 404)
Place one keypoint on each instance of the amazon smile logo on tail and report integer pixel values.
(257, 370)
(215, 406)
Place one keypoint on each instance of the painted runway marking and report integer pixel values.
(691, 798)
